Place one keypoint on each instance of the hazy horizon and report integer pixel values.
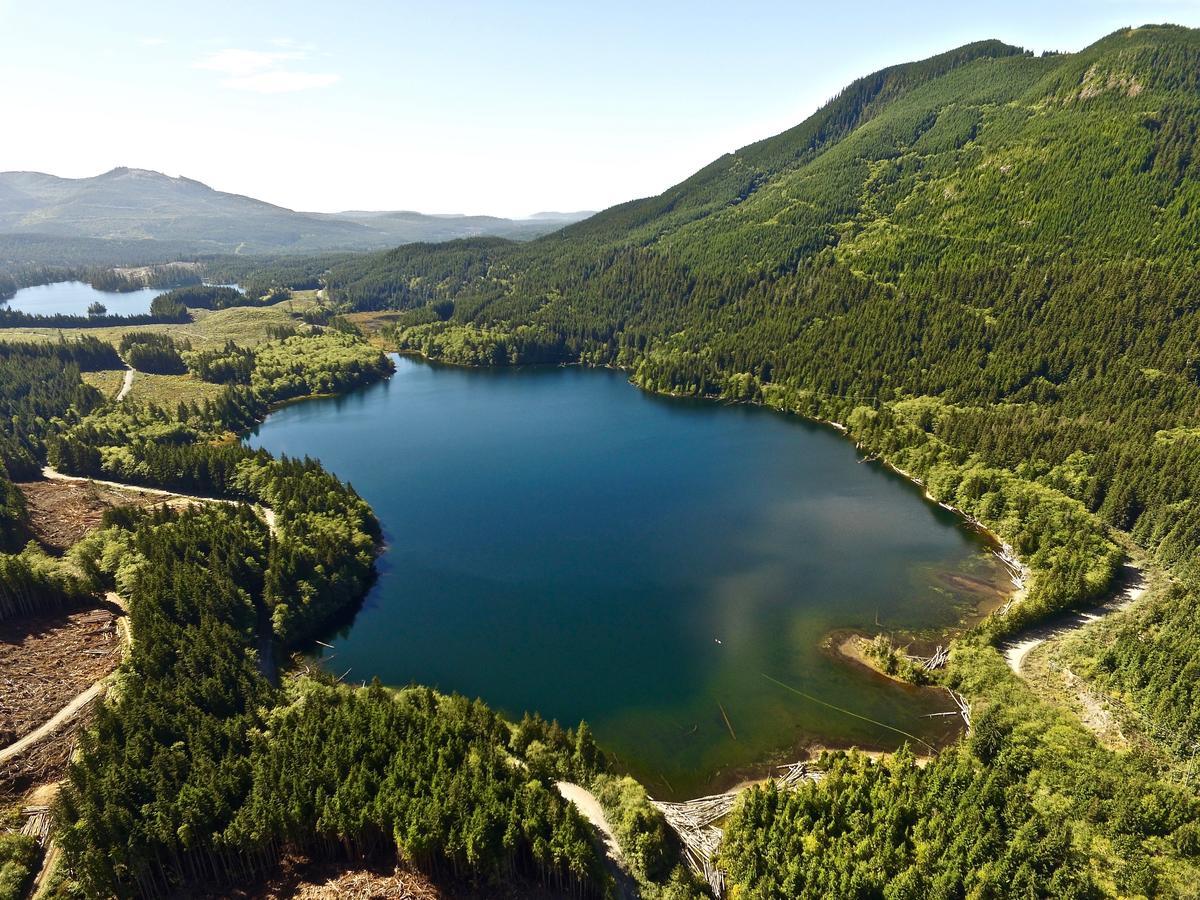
(478, 110)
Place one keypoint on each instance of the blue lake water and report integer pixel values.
(669, 570)
(74, 297)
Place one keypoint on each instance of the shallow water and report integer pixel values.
(669, 570)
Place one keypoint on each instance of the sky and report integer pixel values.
(506, 108)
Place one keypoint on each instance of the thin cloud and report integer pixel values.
(152, 41)
(265, 71)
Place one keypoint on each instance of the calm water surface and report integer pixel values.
(73, 298)
(558, 540)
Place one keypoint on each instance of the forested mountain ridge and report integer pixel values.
(983, 265)
(145, 214)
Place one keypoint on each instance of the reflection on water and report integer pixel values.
(668, 570)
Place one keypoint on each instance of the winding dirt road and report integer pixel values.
(589, 807)
(1131, 585)
(126, 385)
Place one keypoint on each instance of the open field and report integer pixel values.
(163, 390)
(372, 324)
(108, 383)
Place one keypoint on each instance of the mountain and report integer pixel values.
(982, 266)
(133, 207)
(405, 227)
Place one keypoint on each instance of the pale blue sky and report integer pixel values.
(504, 108)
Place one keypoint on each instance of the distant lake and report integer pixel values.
(74, 297)
(669, 570)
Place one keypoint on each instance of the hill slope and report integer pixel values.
(983, 264)
(126, 206)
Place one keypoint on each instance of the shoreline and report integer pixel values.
(840, 645)
(1128, 588)
(1019, 572)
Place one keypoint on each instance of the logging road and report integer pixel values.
(65, 714)
(587, 804)
(1131, 585)
(126, 384)
(52, 474)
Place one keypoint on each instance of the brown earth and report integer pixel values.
(298, 878)
(45, 661)
(62, 512)
(45, 763)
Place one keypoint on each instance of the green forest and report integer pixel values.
(980, 265)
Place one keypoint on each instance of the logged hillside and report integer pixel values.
(984, 265)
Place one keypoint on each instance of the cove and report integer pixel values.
(669, 570)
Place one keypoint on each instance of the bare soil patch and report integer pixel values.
(62, 512)
(298, 878)
(42, 765)
(45, 661)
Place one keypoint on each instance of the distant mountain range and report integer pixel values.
(135, 208)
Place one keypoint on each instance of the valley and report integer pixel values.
(933, 343)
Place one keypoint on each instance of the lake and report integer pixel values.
(74, 297)
(669, 570)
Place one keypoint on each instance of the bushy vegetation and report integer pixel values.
(1028, 806)
(982, 266)
(229, 365)
(326, 363)
(149, 351)
(207, 296)
(641, 830)
(18, 859)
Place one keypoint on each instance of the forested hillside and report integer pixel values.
(136, 216)
(200, 770)
(983, 264)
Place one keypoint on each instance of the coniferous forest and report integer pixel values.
(981, 266)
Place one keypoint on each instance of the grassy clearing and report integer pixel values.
(170, 390)
(372, 325)
(108, 382)
(163, 390)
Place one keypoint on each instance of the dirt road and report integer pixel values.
(1130, 586)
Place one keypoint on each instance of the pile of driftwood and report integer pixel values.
(37, 823)
(931, 663)
(964, 708)
(695, 821)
